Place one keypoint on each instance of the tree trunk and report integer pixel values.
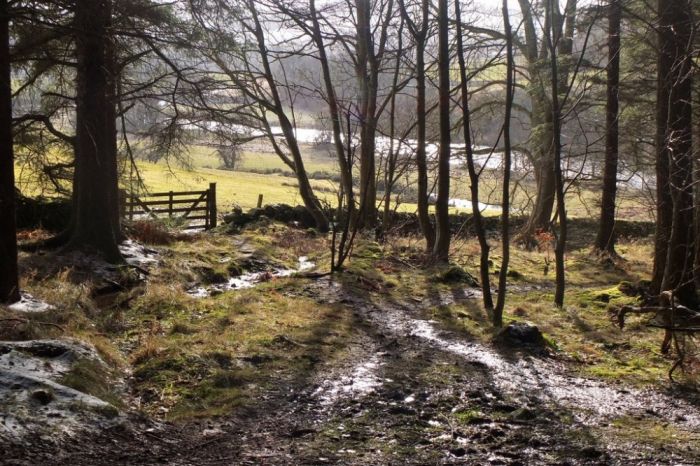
(305, 190)
(505, 202)
(420, 36)
(9, 280)
(95, 222)
(542, 131)
(441, 251)
(696, 180)
(333, 109)
(541, 138)
(605, 241)
(368, 107)
(560, 248)
(675, 74)
(473, 176)
(392, 156)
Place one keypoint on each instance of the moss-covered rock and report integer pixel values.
(456, 274)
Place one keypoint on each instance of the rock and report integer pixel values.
(210, 275)
(36, 387)
(43, 396)
(301, 432)
(298, 215)
(458, 452)
(234, 269)
(504, 407)
(514, 274)
(522, 414)
(402, 410)
(521, 334)
(456, 274)
(591, 452)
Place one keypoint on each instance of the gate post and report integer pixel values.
(211, 198)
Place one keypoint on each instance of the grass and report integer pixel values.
(207, 357)
(582, 331)
(255, 176)
(649, 434)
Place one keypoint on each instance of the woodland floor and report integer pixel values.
(389, 368)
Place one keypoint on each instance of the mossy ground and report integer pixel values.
(253, 358)
(205, 357)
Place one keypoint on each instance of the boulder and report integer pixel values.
(521, 334)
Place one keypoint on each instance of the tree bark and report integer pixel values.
(441, 251)
(560, 248)
(541, 125)
(367, 81)
(605, 241)
(505, 202)
(9, 279)
(333, 109)
(392, 156)
(420, 35)
(305, 190)
(96, 222)
(473, 176)
(676, 150)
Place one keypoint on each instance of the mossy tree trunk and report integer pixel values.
(536, 52)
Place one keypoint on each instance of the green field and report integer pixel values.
(260, 171)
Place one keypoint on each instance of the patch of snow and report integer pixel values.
(29, 304)
(250, 280)
(362, 380)
(531, 377)
(33, 397)
(137, 254)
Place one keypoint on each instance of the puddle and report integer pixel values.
(250, 280)
(529, 379)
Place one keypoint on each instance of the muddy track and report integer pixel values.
(404, 392)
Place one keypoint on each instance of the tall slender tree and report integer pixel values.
(505, 202)
(368, 62)
(307, 194)
(9, 282)
(605, 241)
(420, 36)
(441, 250)
(552, 37)
(473, 175)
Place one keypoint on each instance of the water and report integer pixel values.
(250, 280)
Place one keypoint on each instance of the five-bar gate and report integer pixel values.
(193, 207)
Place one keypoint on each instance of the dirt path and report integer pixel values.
(406, 392)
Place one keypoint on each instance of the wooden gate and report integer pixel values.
(190, 206)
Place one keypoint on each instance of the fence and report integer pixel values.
(190, 206)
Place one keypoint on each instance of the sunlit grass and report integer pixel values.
(261, 171)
